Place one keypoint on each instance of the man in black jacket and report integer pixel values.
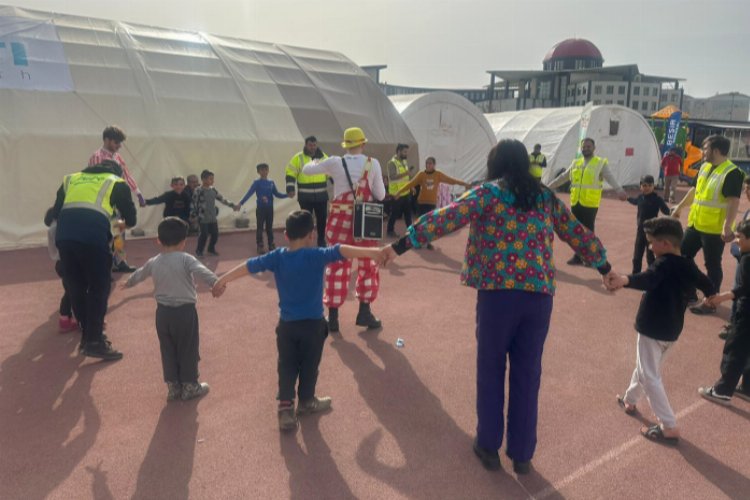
(84, 205)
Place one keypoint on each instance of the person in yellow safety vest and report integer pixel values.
(84, 205)
(713, 206)
(586, 175)
(398, 175)
(311, 190)
(537, 162)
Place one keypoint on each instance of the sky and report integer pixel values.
(452, 43)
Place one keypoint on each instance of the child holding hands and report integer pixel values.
(659, 321)
(176, 317)
(302, 329)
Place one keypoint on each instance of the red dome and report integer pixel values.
(574, 47)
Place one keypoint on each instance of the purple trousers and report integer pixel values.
(511, 325)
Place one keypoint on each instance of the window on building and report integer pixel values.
(608, 101)
(585, 89)
(621, 90)
(621, 102)
(635, 105)
(644, 106)
(646, 91)
(610, 89)
(597, 89)
(636, 90)
(653, 106)
(597, 102)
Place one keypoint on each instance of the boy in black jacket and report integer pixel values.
(667, 283)
(649, 205)
(734, 361)
(176, 202)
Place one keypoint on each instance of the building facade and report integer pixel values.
(573, 74)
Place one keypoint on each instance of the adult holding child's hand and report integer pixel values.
(512, 219)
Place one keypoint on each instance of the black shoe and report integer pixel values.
(123, 267)
(199, 255)
(369, 320)
(213, 252)
(271, 247)
(575, 261)
(521, 467)
(490, 460)
(101, 350)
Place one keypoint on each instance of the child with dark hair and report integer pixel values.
(429, 181)
(659, 321)
(302, 329)
(734, 362)
(649, 205)
(173, 271)
(66, 322)
(265, 189)
(204, 209)
(176, 202)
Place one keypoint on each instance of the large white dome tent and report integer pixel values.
(622, 135)
(187, 101)
(450, 128)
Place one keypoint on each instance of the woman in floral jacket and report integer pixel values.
(513, 220)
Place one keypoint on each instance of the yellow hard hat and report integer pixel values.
(353, 137)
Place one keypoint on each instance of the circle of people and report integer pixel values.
(512, 218)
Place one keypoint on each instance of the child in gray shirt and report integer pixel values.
(204, 210)
(176, 317)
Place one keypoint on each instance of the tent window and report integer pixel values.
(614, 127)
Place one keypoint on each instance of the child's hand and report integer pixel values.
(389, 255)
(218, 289)
(614, 281)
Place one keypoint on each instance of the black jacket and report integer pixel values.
(668, 283)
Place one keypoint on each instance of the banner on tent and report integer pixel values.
(32, 57)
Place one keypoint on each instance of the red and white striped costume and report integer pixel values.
(368, 178)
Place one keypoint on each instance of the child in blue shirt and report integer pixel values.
(265, 190)
(302, 329)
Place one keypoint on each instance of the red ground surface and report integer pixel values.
(403, 419)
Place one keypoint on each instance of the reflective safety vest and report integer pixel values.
(709, 208)
(586, 182)
(90, 191)
(394, 186)
(310, 188)
(536, 164)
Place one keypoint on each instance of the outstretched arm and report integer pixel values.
(352, 252)
(237, 272)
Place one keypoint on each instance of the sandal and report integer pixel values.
(655, 433)
(627, 408)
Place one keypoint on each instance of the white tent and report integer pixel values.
(622, 136)
(187, 101)
(450, 128)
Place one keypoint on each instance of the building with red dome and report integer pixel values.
(573, 53)
(573, 74)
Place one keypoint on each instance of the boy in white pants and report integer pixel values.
(666, 283)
